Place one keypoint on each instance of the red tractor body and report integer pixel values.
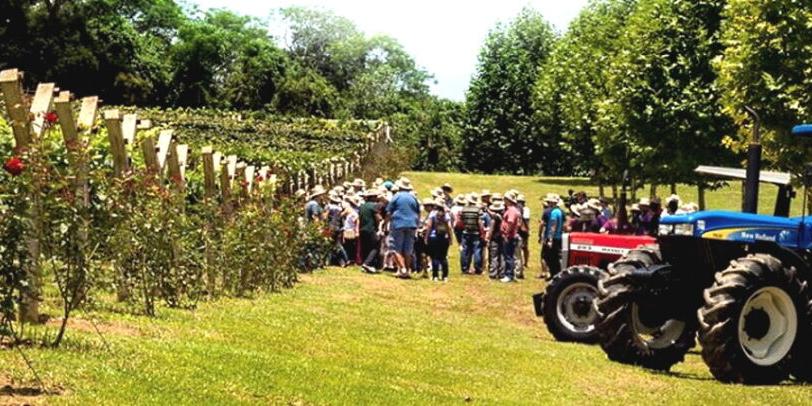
(598, 250)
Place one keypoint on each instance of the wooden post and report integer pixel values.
(225, 181)
(128, 127)
(164, 142)
(239, 176)
(175, 173)
(40, 105)
(209, 180)
(11, 84)
(112, 119)
(250, 172)
(150, 157)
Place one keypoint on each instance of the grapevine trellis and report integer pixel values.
(140, 145)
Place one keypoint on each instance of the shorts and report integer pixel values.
(403, 240)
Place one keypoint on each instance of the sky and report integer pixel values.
(444, 36)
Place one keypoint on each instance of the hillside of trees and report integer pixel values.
(655, 87)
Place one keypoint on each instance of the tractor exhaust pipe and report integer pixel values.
(750, 204)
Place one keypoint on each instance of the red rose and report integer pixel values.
(51, 117)
(14, 166)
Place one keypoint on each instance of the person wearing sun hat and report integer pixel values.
(314, 210)
(552, 231)
(334, 212)
(420, 247)
(485, 202)
(403, 216)
(447, 198)
(370, 216)
(511, 221)
(472, 231)
(493, 235)
(358, 185)
(437, 239)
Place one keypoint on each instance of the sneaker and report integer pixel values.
(435, 279)
(445, 280)
(506, 279)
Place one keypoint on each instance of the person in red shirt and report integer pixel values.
(511, 221)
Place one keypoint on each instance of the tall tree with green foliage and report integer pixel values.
(574, 80)
(664, 101)
(767, 65)
(499, 134)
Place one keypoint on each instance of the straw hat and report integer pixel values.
(460, 200)
(472, 199)
(437, 192)
(404, 184)
(644, 201)
(497, 206)
(335, 198)
(635, 207)
(552, 198)
(428, 202)
(370, 193)
(317, 191)
(575, 209)
(520, 198)
(300, 193)
(358, 182)
(447, 187)
(496, 197)
(485, 193)
(439, 203)
(510, 196)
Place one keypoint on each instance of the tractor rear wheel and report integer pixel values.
(634, 332)
(752, 323)
(568, 304)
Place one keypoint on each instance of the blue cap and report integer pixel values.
(388, 185)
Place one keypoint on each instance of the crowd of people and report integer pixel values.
(386, 226)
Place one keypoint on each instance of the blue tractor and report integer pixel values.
(740, 282)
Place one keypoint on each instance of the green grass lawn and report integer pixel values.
(343, 337)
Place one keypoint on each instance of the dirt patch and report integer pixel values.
(105, 327)
(18, 393)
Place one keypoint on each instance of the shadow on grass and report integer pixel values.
(569, 182)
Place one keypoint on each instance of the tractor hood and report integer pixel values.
(744, 227)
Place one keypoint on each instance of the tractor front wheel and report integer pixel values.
(631, 330)
(754, 321)
(568, 304)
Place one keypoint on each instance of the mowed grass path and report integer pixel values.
(343, 337)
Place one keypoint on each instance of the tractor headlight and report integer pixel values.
(666, 229)
(684, 229)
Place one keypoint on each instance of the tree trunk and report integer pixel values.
(633, 186)
(701, 197)
(673, 188)
(653, 192)
(601, 191)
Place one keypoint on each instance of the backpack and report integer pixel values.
(470, 220)
(440, 227)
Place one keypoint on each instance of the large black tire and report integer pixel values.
(801, 367)
(568, 304)
(751, 301)
(621, 330)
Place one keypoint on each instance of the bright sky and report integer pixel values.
(444, 36)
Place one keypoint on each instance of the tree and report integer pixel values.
(574, 80)
(767, 64)
(499, 134)
(664, 102)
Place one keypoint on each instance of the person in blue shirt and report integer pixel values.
(314, 211)
(403, 216)
(551, 236)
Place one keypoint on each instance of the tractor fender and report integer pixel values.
(657, 276)
(789, 257)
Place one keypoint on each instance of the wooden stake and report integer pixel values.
(120, 162)
(209, 180)
(40, 105)
(128, 127)
(11, 84)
